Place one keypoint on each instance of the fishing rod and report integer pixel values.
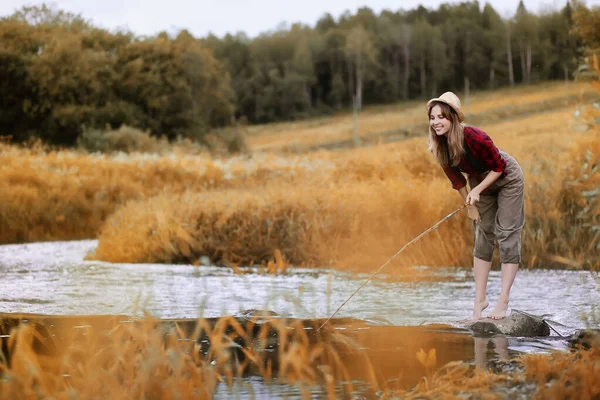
(433, 227)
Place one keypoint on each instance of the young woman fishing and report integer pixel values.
(495, 198)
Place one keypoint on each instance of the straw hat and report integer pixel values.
(452, 100)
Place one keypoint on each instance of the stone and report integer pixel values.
(585, 339)
(517, 323)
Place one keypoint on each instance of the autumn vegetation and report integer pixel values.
(112, 357)
(116, 137)
(346, 209)
(62, 76)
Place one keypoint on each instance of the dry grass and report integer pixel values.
(62, 195)
(359, 210)
(312, 226)
(105, 357)
(350, 210)
(108, 359)
(573, 375)
(560, 375)
(385, 118)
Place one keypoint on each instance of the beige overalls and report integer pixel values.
(502, 210)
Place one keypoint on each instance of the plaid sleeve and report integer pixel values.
(484, 149)
(456, 177)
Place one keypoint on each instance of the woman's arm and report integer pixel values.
(463, 193)
(471, 209)
(473, 195)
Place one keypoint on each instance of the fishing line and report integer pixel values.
(391, 258)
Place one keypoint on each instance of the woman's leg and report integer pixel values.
(481, 270)
(507, 274)
(485, 241)
(509, 224)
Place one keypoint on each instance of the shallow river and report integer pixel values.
(53, 279)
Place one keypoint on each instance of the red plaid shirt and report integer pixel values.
(483, 149)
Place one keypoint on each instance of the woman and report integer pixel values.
(495, 200)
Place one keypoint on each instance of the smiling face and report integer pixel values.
(439, 121)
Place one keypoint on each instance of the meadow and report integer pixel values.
(284, 204)
(348, 209)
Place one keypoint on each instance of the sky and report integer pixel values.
(219, 17)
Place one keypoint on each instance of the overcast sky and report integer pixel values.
(201, 17)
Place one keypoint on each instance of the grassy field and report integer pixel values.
(349, 209)
(410, 116)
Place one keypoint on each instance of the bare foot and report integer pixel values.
(478, 309)
(500, 311)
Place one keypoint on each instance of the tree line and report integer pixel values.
(61, 75)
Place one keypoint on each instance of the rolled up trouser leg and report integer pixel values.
(510, 217)
(502, 212)
(485, 230)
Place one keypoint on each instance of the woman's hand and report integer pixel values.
(472, 197)
(473, 213)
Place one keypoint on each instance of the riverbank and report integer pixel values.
(348, 210)
(394, 339)
(59, 357)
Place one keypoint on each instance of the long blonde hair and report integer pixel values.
(447, 149)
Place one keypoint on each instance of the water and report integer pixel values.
(52, 278)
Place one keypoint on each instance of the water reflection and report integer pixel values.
(373, 357)
(499, 344)
(378, 356)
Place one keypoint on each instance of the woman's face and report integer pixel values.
(438, 122)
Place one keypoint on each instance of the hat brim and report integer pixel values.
(458, 111)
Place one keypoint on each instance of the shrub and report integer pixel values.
(125, 139)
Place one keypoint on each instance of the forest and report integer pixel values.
(61, 76)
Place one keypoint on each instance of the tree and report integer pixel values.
(587, 24)
(421, 42)
(394, 44)
(494, 46)
(337, 91)
(509, 55)
(303, 67)
(235, 54)
(60, 73)
(17, 96)
(44, 15)
(361, 56)
(438, 60)
(325, 23)
(526, 32)
(177, 86)
(75, 87)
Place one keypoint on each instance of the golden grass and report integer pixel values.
(574, 375)
(61, 195)
(385, 118)
(109, 359)
(117, 358)
(559, 375)
(369, 202)
(350, 209)
(313, 226)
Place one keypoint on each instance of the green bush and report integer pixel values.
(125, 139)
(230, 140)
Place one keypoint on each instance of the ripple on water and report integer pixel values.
(53, 278)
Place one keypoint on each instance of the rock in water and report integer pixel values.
(585, 339)
(516, 324)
